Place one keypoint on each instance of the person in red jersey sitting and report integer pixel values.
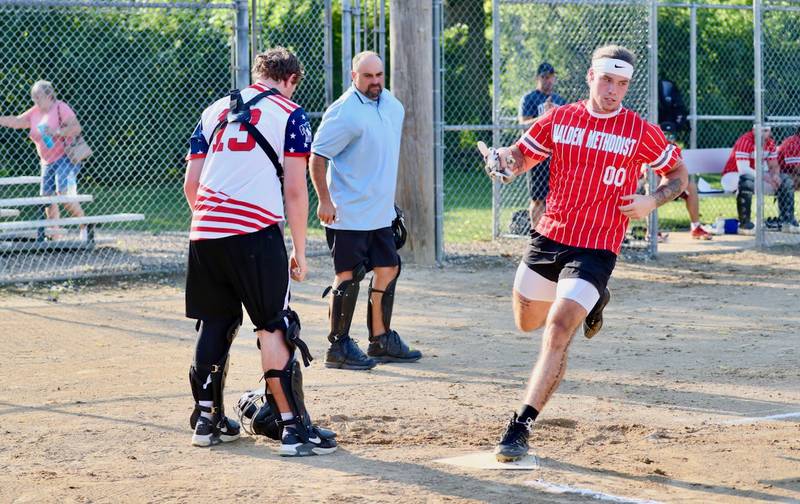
(596, 149)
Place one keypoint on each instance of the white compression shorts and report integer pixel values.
(533, 286)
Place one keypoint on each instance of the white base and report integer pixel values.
(487, 460)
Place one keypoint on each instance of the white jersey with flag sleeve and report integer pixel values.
(239, 189)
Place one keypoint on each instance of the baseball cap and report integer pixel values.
(545, 69)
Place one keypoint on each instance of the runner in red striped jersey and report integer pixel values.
(237, 254)
(596, 149)
(789, 157)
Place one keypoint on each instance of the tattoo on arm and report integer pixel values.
(667, 191)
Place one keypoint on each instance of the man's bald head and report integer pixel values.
(367, 74)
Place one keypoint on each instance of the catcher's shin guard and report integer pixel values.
(343, 305)
(744, 198)
(387, 303)
(205, 375)
(290, 379)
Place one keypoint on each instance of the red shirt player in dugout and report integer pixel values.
(596, 149)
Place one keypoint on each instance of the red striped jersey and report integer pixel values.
(595, 159)
(745, 150)
(789, 154)
(239, 190)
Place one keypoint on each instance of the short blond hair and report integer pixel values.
(43, 87)
(358, 58)
(615, 52)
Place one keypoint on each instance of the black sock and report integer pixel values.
(526, 412)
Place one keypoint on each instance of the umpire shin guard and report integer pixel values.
(343, 305)
(387, 304)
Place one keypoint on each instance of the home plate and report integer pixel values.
(487, 460)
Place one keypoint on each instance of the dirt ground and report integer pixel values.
(660, 406)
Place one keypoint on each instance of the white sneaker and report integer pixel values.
(788, 227)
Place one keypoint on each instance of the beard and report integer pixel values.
(374, 91)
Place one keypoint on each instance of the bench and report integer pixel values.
(699, 161)
(41, 243)
(19, 180)
(45, 200)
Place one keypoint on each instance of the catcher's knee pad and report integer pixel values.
(290, 380)
(289, 321)
(207, 379)
(387, 302)
(343, 305)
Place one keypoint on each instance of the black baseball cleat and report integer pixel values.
(594, 320)
(514, 443)
(292, 444)
(389, 347)
(344, 353)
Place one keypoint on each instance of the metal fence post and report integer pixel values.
(241, 43)
(255, 30)
(652, 114)
(347, 43)
(693, 77)
(328, 50)
(438, 141)
(496, 202)
(759, 122)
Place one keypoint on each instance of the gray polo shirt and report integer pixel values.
(361, 138)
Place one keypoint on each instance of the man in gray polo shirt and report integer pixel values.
(360, 139)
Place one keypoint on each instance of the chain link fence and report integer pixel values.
(491, 53)
(137, 76)
(138, 73)
(779, 64)
(718, 103)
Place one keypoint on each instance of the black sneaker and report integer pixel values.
(203, 432)
(514, 443)
(206, 434)
(228, 430)
(389, 347)
(594, 320)
(345, 354)
(293, 446)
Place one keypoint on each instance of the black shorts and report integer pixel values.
(250, 270)
(555, 261)
(539, 180)
(371, 248)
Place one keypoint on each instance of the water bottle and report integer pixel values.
(48, 140)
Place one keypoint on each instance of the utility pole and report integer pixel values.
(412, 83)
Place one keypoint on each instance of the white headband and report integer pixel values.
(612, 66)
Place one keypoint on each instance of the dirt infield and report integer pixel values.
(660, 406)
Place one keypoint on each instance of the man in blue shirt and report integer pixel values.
(359, 137)
(536, 104)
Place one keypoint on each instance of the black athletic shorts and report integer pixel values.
(250, 270)
(371, 248)
(554, 261)
(539, 180)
